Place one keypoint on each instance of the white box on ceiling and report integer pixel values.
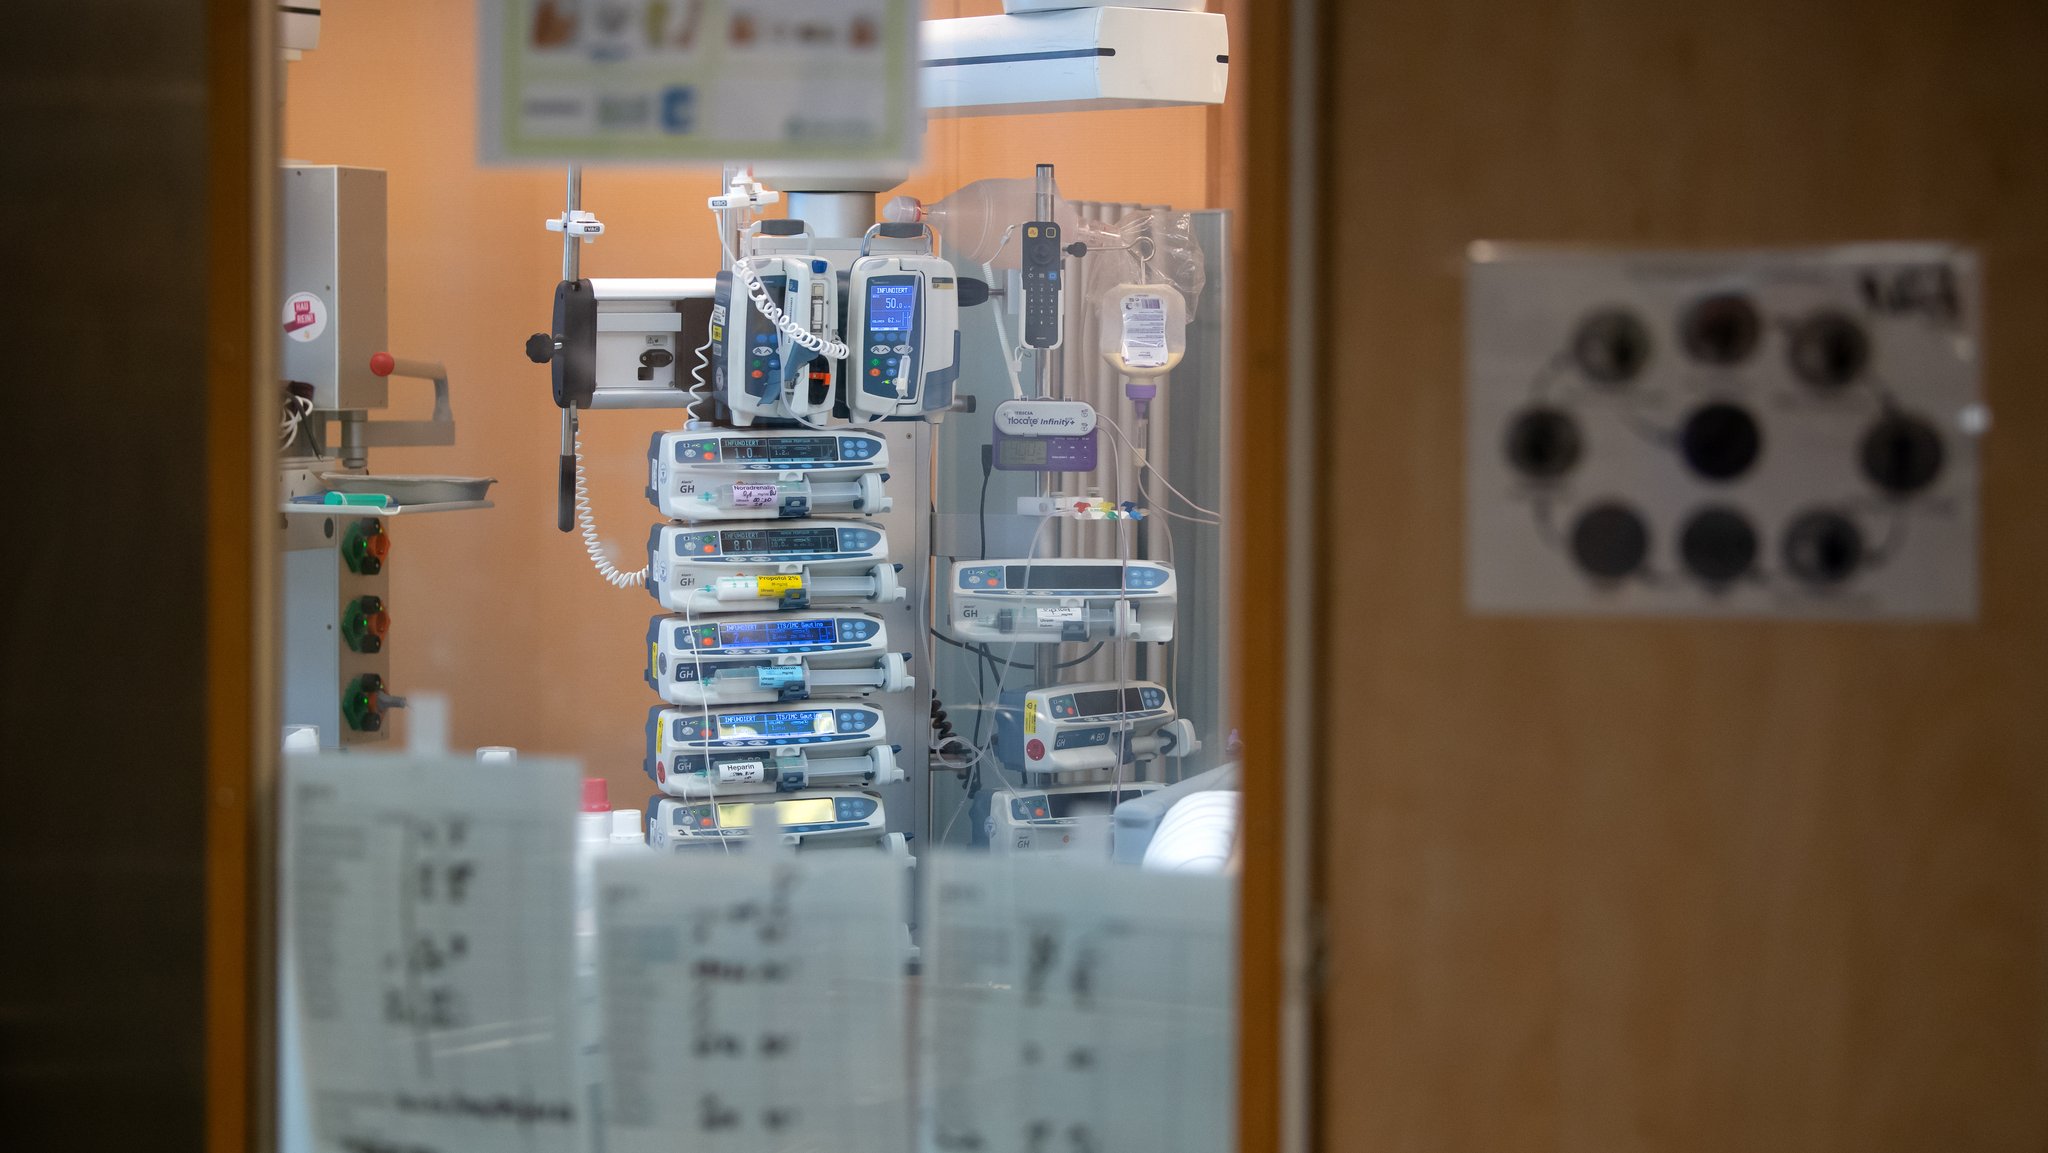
(1074, 60)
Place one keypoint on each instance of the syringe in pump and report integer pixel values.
(1095, 725)
(822, 818)
(772, 657)
(781, 566)
(1048, 601)
(712, 474)
(723, 752)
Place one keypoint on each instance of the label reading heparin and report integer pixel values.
(742, 773)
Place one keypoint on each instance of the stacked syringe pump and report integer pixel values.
(774, 575)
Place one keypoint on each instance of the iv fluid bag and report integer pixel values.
(1142, 329)
(971, 222)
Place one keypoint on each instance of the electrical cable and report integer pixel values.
(988, 459)
(1010, 355)
(700, 389)
(704, 725)
(757, 292)
(989, 655)
(587, 521)
(1140, 455)
(974, 776)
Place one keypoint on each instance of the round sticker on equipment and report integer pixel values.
(305, 316)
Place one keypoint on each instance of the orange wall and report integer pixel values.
(496, 609)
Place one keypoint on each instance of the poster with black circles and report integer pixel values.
(1764, 433)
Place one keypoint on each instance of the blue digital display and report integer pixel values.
(768, 634)
(737, 726)
(892, 307)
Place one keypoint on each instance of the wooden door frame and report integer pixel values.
(1275, 544)
(240, 719)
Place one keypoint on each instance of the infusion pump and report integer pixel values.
(763, 369)
(719, 752)
(1091, 726)
(1050, 601)
(903, 326)
(783, 565)
(818, 818)
(711, 474)
(1062, 818)
(763, 658)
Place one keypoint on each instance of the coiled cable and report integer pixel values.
(587, 521)
(757, 291)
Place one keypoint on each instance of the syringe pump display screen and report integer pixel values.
(1102, 702)
(765, 448)
(804, 723)
(805, 811)
(776, 634)
(1017, 452)
(892, 307)
(740, 542)
(1106, 576)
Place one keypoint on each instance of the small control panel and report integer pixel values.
(1749, 433)
(1043, 263)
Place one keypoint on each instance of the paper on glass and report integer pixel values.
(1075, 1008)
(428, 904)
(754, 1002)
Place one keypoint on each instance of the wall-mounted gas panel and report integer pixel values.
(1748, 433)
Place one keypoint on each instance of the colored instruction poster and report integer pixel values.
(698, 81)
